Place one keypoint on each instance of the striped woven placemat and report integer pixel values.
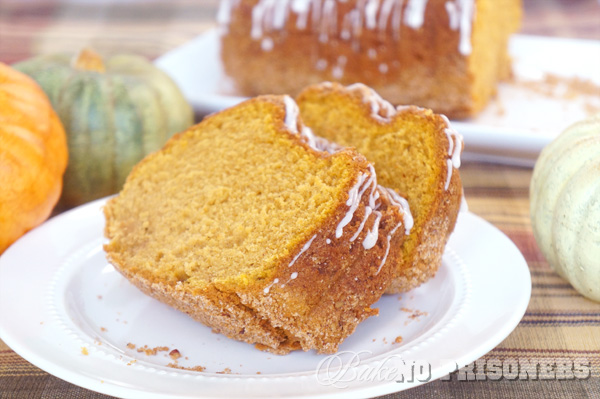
(559, 336)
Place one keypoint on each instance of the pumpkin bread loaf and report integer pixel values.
(246, 225)
(447, 55)
(414, 151)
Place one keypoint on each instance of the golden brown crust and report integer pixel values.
(431, 242)
(439, 222)
(314, 297)
(339, 280)
(405, 65)
(435, 219)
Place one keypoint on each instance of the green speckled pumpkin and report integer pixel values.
(115, 111)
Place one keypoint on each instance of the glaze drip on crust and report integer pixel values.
(380, 109)
(455, 146)
(291, 121)
(355, 195)
(400, 203)
(367, 182)
(374, 15)
(304, 249)
(414, 151)
(408, 221)
(461, 14)
(383, 111)
(445, 55)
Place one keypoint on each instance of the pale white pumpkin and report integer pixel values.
(565, 205)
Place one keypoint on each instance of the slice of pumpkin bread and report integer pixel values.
(414, 151)
(243, 223)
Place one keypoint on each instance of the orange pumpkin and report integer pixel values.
(33, 155)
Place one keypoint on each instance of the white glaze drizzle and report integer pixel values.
(455, 144)
(402, 204)
(301, 8)
(313, 142)
(384, 112)
(391, 11)
(453, 14)
(280, 14)
(304, 249)
(328, 25)
(370, 240)
(387, 249)
(415, 13)
(268, 288)
(354, 197)
(272, 15)
(326, 145)
(321, 64)
(337, 72)
(380, 108)
(373, 234)
(371, 208)
(291, 114)
(448, 174)
(460, 15)
(258, 15)
(317, 9)
(371, 9)
(293, 276)
(408, 221)
(291, 122)
(267, 44)
(368, 211)
(224, 12)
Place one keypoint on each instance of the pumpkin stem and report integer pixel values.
(88, 60)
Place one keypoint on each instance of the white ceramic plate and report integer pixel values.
(66, 310)
(512, 129)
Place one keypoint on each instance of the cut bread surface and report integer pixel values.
(414, 152)
(244, 224)
(238, 175)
